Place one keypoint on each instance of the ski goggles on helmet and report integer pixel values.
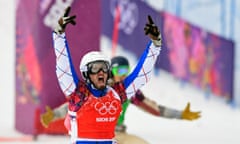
(120, 70)
(96, 67)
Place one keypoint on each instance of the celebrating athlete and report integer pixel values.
(94, 106)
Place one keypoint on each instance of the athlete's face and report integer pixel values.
(99, 79)
(120, 73)
(118, 78)
(98, 73)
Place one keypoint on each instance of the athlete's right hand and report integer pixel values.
(47, 117)
(64, 20)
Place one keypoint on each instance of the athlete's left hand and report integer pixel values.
(151, 29)
(187, 114)
(153, 32)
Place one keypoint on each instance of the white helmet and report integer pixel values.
(89, 58)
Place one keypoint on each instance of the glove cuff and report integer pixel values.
(59, 30)
(172, 113)
(158, 41)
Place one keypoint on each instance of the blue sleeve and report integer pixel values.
(143, 71)
(130, 78)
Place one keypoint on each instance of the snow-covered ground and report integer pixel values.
(219, 123)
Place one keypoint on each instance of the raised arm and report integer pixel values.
(143, 71)
(153, 108)
(66, 74)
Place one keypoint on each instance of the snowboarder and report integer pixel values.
(93, 105)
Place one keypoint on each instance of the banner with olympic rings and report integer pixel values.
(191, 54)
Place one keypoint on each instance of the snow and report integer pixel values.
(219, 123)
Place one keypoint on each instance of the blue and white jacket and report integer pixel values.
(69, 80)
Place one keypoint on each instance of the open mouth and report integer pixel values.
(100, 79)
(101, 82)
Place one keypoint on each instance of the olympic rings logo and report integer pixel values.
(107, 107)
(129, 15)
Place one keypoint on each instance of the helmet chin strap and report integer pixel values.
(97, 92)
(94, 86)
